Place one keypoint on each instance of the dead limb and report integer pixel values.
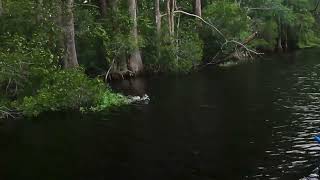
(241, 45)
(8, 113)
(237, 51)
(206, 22)
(249, 39)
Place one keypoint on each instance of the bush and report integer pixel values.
(70, 89)
(183, 55)
(24, 63)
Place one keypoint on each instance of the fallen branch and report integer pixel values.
(236, 50)
(6, 113)
(242, 45)
(216, 29)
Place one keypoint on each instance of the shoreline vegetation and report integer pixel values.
(59, 54)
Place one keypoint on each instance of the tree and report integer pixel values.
(39, 10)
(197, 8)
(171, 5)
(158, 16)
(1, 8)
(71, 60)
(103, 7)
(279, 43)
(135, 61)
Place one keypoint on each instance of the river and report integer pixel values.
(252, 121)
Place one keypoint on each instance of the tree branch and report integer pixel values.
(315, 9)
(240, 44)
(243, 45)
(6, 113)
(206, 22)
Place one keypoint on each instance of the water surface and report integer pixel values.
(252, 121)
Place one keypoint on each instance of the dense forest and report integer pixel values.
(58, 54)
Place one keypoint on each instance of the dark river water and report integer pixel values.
(252, 121)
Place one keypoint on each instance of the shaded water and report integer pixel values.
(252, 121)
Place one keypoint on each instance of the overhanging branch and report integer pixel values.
(206, 22)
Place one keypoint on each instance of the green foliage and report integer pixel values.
(181, 54)
(31, 43)
(306, 35)
(288, 20)
(88, 38)
(67, 89)
(232, 21)
(109, 100)
(24, 62)
(268, 36)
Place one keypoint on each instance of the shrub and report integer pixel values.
(70, 89)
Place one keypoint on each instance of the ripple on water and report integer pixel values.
(301, 100)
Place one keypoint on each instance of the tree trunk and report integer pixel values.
(158, 24)
(103, 8)
(169, 16)
(279, 44)
(59, 22)
(286, 38)
(120, 68)
(71, 60)
(1, 8)
(197, 8)
(113, 5)
(170, 13)
(158, 16)
(39, 9)
(135, 62)
(286, 29)
(173, 6)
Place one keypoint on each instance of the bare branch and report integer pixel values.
(6, 113)
(240, 44)
(259, 8)
(88, 5)
(206, 22)
(162, 15)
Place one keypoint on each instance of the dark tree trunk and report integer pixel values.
(103, 8)
(1, 8)
(39, 9)
(60, 24)
(71, 60)
(135, 62)
(113, 5)
(286, 39)
(119, 69)
(286, 29)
